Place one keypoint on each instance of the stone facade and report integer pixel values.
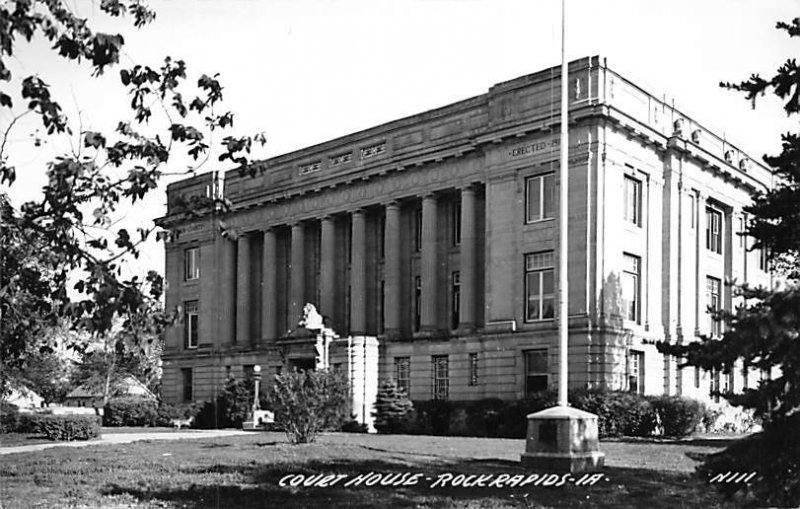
(438, 235)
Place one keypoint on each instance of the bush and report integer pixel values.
(308, 402)
(130, 411)
(392, 408)
(679, 416)
(724, 417)
(229, 410)
(618, 412)
(66, 427)
(514, 417)
(9, 418)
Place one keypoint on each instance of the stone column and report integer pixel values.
(391, 269)
(227, 292)
(327, 267)
(268, 287)
(468, 247)
(700, 271)
(358, 275)
(298, 280)
(428, 316)
(243, 290)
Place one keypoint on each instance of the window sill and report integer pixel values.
(539, 221)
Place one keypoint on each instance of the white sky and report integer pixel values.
(305, 71)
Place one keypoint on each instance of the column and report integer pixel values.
(700, 271)
(268, 287)
(428, 315)
(297, 271)
(391, 269)
(327, 267)
(243, 290)
(227, 292)
(358, 275)
(468, 248)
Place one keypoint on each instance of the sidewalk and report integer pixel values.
(126, 438)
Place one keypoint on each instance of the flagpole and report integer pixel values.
(563, 289)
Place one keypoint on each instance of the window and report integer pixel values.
(440, 365)
(631, 289)
(187, 382)
(473, 369)
(382, 237)
(692, 211)
(190, 324)
(763, 263)
(540, 197)
(418, 229)
(191, 267)
(417, 303)
(536, 375)
(402, 373)
(745, 376)
(714, 230)
(636, 372)
(382, 307)
(455, 299)
(455, 223)
(632, 204)
(247, 371)
(539, 286)
(713, 286)
(741, 232)
(696, 377)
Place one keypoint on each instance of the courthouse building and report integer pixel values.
(437, 234)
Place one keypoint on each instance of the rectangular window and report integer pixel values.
(382, 307)
(382, 237)
(187, 382)
(455, 299)
(247, 371)
(191, 263)
(539, 286)
(455, 223)
(741, 232)
(540, 197)
(402, 373)
(631, 288)
(763, 262)
(418, 229)
(536, 374)
(713, 287)
(417, 303)
(696, 377)
(632, 201)
(473, 369)
(190, 324)
(714, 230)
(692, 211)
(440, 367)
(636, 372)
(745, 376)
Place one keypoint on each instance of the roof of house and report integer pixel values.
(127, 386)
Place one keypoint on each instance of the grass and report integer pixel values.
(245, 471)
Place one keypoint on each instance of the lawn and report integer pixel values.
(247, 471)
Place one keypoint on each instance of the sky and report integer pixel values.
(306, 71)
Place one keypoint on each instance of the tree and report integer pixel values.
(392, 407)
(764, 333)
(80, 272)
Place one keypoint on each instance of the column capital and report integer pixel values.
(430, 196)
(469, 187)
(392, 204)
(358, 211)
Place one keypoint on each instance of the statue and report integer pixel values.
(311, 319)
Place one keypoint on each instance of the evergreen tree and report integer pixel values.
(764, 333)
(392, 407)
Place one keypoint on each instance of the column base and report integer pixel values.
(563, 462)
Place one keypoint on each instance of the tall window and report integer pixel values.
(455, 299)
(418, 229)
(382, 236)
(191, 263)
(440, 367)
(455, 223)
(714, 230)
(417, 303)
(187, 382)
(540, 197)
(633, 201)
(382, 307)
(713, 286)
(402, 373)
(539, 286)
(763, 259)
(473, 369)
(696, 377)
(741, 232)
(636, 371)
(631, 288)
(536, 375)
(692, 211)
(190, 324)
(745, 376)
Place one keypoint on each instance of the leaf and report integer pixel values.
(94, 139)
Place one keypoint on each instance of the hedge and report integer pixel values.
(65, 427)
(130, 411)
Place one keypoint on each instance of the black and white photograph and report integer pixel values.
(399, 254)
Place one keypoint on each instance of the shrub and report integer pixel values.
(66, 427)
(308, 402)
(514, 417)
(679, 416)
(230, 408)
(724, 417)
(618, 412)
(483, 417)
(9, 418)
(166, 413)
(392, 408)
(130, 411)
(773, 454)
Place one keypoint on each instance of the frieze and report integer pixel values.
(373, 150)
(533, 148)
(340, 159)
(305, 169)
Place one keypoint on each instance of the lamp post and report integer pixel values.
(257, 382)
